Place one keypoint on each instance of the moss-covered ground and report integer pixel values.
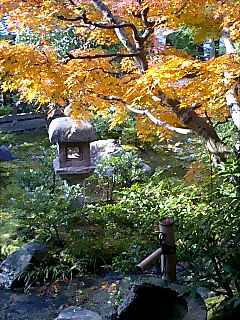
(28, 148)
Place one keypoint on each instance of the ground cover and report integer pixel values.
(28, 148)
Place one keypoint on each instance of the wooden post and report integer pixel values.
(168, 260)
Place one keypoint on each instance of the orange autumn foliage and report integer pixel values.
(39, 75)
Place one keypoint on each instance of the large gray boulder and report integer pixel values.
(78, 313)
(20, 261)
(104, 148)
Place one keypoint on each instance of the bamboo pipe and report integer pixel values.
(150, 260)
(166, 252)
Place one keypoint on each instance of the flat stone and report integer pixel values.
(78, 313)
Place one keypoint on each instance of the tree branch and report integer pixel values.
(72, 2)
(113, 20)
(193, 122)
(199, 125)
(158, 122)
(101, 56)
(132, 46)
(144, 17)
(149, 25)
(151, 117)
(100, 25)
(231, 95)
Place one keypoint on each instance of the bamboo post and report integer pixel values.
(168, 259)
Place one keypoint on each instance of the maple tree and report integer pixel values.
(168, 90)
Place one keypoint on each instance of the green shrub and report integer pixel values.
(102, 127)
(62, 40)
(207, 224)
(123, 169)
(183, 39)
(5, 110)
(125, 132)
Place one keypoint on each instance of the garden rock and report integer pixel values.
(106, 149)
(5, 154)
(153, 298)
(146, 168)
(20, 261)
(78, 313)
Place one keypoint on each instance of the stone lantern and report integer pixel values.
(72, 137)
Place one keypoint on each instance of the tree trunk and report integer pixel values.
(233, 102)
(202, 128)
(199, 126)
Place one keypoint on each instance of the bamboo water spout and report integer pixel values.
(165, 255)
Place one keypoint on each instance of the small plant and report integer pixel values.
(43, 213)
(5, 110)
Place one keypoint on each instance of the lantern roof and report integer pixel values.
(66, 129)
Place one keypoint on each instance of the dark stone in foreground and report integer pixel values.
(15, 305)
(18, 262)
(155, 300)
(148, 301)
(78, 313)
